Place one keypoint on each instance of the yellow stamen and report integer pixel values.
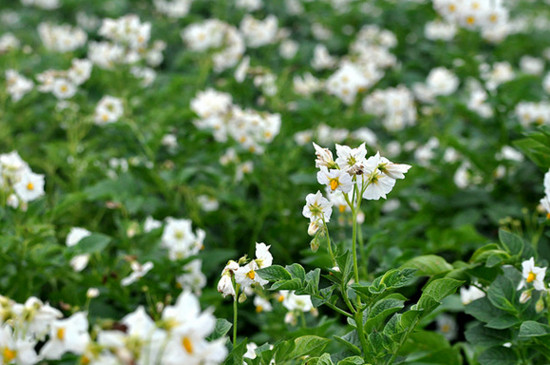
(445, 328)
(61, 334)
(251, 274)
(85, 360)
(452, 8)
(341, 208)
(64, 88)
(548, 216)
(105, 117)
(281, 298)
(493, 18)
(470, 20)
(187, 345)
(531, 277)
(8, 355)
(334, 184)
(30, 186)
(259, 309)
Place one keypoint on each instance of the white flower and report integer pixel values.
(250, 350)
(108, 110)
(67, 335)
(393, 170)
(16, 350)
(138, 271)
(63, 89)
(324, 157)
(263, 256)
(246, 275)
(377, 183)
(468, 295)
(532, 274)
(317, 207)
(297, 302)
(350, 158)
(262, 305)
(335, 179)
(30, 187)
(225, 285)
(150, 224)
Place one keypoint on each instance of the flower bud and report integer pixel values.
(92, 293)
(242, 298)
(314, 244)
(539, 307)
(313, 228)
(525, 296)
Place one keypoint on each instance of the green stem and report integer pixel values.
(338, 310)
(235, 313)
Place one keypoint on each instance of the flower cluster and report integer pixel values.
(178, 337)
(61, 38)
(173, 8)
(545, 202)
(18, 182)
(491, 17)
(17, 85)
(242, 274)
(369, 56)
(128, 43)
(63, 84)
(251, 129)
(440, 81)
(180, 240)
(352, 175)
(108, 110)
(531, 276)
(218, 35)
(396, 105)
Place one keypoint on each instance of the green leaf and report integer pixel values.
(296, 271)
(273, 273)
(435, 291)
(325, 360)
(351, 341)
(236, 355)
(353, 360)
(502, 294)
(294, 284)
(382, 309)
(308, 345)
(96, 242)
(479, 335)
(534, 329)
(498, 356)
(511, 242)
(222, 327)
(428, 265)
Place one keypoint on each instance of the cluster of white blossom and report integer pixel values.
(178, 337)
(61, 38)
(214, 34)
(529, 113)
(490, 17)
(545, 202)
(242, 275)
(259, 33)
(19, 184)
(17, 85)
(369, 56)
(251, 129)
(396, 105)
(43, 4)
(440, 81)
(352, 175)
(128, 43)
(63, 83)
(8, 42)
(173, 8)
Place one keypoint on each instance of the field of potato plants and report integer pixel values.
(274, 182)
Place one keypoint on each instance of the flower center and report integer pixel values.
(60, 334)
(8, 355)
(259, 309)
(334, 184)
(470, 20)
(178, 235)
(30, 186)
(187, 345)
(251, 274)
(341, 208)
(281, 298)
(531, 277)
